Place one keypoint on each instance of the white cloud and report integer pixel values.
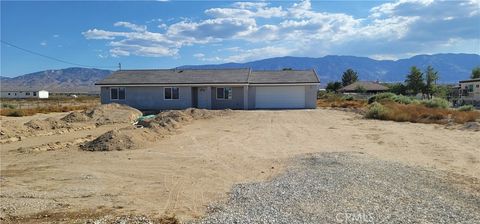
(258, 53)
(56, 36)
(43, 43)
(394, 28)
(199, 55)
(131, 26)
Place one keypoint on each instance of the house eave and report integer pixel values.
(209, 84)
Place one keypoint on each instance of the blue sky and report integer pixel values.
(165, 34)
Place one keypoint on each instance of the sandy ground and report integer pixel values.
(185, 172)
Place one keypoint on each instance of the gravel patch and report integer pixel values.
(349, 188)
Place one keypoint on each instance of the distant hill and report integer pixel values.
(62, 80)
(451, 67)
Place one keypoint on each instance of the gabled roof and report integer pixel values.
(285, 76)
(208, 76)
(177, 76)
(367, 85)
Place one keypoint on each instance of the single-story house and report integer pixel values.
(469, 92)
(23, 94)
(210, 89)
(364, 87)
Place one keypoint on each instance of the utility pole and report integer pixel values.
(119, 66)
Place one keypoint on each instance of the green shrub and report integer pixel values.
(403, 99)
(16, 113)
(436, 103)
(8, 106)
(347, 97)
(376, 111)
(466, 108)
(381, 97)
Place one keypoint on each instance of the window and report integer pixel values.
(9, 94)
(27, 94)
(117, 93)
(121, 93)
(114, 93)
(172, 93)
(224, 93)
(470, 88)
(34, 93)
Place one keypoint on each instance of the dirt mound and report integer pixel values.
(150, 130)
(173, 118)
(122, 139)
(105, 114)
(75, 116)
(47, 124)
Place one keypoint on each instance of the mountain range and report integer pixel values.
(451, 69)
(79, 80)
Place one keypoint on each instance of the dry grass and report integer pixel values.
(43, 110)
(417, 113)
(339, 102)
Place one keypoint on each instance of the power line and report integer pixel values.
(52, 58)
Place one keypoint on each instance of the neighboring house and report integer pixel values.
(364, 87)
(40, 94)
(469, 92)
(210, 89)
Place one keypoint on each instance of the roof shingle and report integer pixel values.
(208, 76)
(176, 76)
(287, 76)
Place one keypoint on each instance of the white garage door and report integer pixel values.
(280, 97)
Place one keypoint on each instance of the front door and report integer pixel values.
(203, 97)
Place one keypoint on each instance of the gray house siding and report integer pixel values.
(251, 97)
(150, 98)
(235, 103)
(311, 97)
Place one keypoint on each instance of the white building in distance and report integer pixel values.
(24, 94)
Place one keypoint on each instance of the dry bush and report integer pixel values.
(418, 113)
(337, 101)
(43, 110)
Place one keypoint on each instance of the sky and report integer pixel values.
(166, 34)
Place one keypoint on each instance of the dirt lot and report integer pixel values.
(198, 164)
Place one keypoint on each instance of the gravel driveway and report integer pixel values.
(349, 188)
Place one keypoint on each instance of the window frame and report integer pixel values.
(470, 88)
(227, 95)
(118, 93)
(171, 93)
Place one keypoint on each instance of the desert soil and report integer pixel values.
(198, 164)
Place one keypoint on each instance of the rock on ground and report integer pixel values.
(349, 188)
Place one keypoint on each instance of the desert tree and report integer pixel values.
(475, 73)
(350, 76)
(333, 86)
(431, 77)
(415, 82)
(397, 88)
